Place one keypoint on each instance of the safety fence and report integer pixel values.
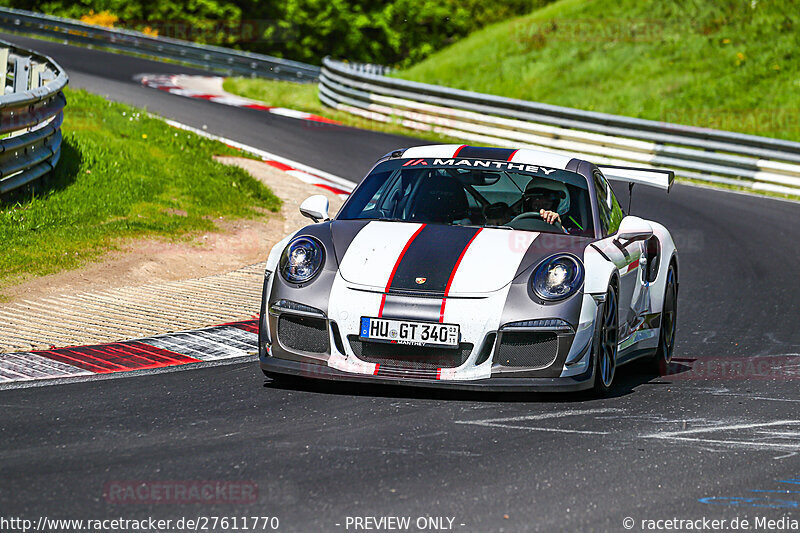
(697, 153)
(216, 58)
(31, 112)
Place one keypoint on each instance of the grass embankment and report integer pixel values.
(122, 174)
(725, 64)
(304, 97)
(729, 64)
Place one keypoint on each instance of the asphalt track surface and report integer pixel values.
(659, 448)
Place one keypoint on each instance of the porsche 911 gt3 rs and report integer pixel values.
(473, 268)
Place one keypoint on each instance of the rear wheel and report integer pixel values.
(605, 349)
(669, 320)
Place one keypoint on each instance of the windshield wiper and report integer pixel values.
(376, 219)
(482, 226)
(459, 225)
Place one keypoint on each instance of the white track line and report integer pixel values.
(310, 174)
(210, 89)
(681, 433)
(503, 422)
(683, 436)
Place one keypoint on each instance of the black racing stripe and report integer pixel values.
(480, 152)
(343, 233)
(432, 255)
(412, 308)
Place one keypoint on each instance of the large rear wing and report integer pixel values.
(652, 177)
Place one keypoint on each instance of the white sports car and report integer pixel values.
(473, 268)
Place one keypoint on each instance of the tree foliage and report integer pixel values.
(398, 32)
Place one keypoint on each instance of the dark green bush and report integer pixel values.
(400, 32)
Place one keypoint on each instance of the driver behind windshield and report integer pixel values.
(548, 198)
(472, 197)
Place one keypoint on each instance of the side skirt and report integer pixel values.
(633, 353)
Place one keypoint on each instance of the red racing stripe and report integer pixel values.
(453, 275)
(512, 155)
(377, 366)
(459, 149)
(396, 265)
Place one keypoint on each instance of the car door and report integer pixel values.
(627, 258)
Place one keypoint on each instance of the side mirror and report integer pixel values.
(633, 229)
(315, 207)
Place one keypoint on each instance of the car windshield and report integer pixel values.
(473, 192)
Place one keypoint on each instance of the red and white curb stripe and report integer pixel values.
(228, 341)
(173, 84)
(304, 173)
(207, 345)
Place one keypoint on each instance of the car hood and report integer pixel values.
(440, 259)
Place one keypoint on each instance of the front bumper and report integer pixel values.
(321, 341)
(272, 365)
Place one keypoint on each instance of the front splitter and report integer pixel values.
(272, 365)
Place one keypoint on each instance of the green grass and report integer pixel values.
(726, 64)
(122, 174)
(304, 97)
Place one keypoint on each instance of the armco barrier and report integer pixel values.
(31, 111)
(204, 56)
(698, 153)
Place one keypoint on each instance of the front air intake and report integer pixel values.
(529, 349)
(304, 334)
(413, 357)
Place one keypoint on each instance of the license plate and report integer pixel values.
(409, 332)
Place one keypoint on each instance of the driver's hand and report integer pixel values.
(551, 217)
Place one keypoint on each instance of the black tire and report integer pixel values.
(605, 347)
(659, 364)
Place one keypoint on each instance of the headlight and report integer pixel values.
(557, 277)
(301, 260)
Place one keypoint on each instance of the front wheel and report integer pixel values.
(669, 321)
(605, 349)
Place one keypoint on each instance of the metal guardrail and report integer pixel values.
(226, 60)
(31, 112)
(697, 153)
